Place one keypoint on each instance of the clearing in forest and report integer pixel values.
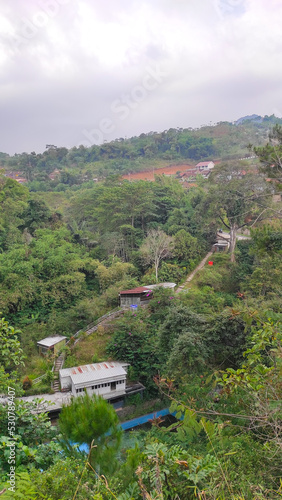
(149, 175)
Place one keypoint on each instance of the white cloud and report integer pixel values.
(64, 62)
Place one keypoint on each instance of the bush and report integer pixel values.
(210, 277)
(206, 300)
(178, 320)
(134, 341)
(27, 383)
(70, 361)
(41, 388)
(95, 358)
(48, 377)
(189, 352)
(171, 272)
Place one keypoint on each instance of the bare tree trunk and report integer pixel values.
(157, 262)
(233, 233)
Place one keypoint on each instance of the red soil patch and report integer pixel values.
(150, 174)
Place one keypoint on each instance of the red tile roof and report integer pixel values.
(203, 163)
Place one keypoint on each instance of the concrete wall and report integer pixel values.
(129, 300)
(53, 348)
(43, 350)
(65, 382)
(101, 388)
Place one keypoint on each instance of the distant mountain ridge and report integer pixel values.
(251, 118)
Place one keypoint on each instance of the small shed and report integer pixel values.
(140, 295)
(53, 344)
(220, 246)
(135, 296)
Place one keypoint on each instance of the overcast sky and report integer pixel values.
(87, 71)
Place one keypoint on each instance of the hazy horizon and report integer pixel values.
(83, 72)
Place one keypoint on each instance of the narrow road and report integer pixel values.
(191, 276)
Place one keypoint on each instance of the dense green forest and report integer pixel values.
(211, 351)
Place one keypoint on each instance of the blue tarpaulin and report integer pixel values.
(130, 424)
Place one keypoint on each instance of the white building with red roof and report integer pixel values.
(107, 379)
(205, 165)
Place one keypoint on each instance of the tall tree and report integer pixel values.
(156, 247)
(238, 200)
(186, 246)
(11, 357)
(13, 202)
(271, 155)
(92, 418)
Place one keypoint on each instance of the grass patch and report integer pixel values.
(92, 347)
(36, 366)
(212, 288)
(41, 388)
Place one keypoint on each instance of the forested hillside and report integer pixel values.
(78, 165)
(211, 350)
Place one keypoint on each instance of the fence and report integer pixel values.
(37, 380)
(92, 326)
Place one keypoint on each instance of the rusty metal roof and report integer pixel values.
(94, 372)
(147, 288)
(139, 289)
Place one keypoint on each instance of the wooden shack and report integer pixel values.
(141, 295)
(51, 344)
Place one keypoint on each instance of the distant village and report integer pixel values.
(18, 176)
(187, 178)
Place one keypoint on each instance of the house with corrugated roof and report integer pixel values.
(140, 295)
(191, 175)
(205, 165)
(107, 379)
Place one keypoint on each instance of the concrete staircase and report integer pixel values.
(102, 321)
(58, 365)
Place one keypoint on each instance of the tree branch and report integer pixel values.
(228, 227)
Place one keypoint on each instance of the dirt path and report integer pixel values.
(191, 276)
(149, 175)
